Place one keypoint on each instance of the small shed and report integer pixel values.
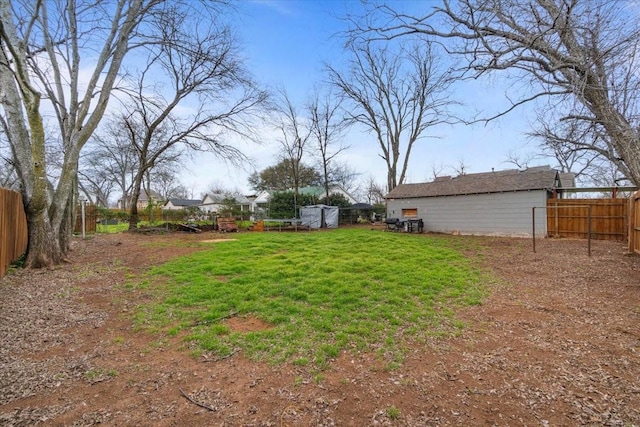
(319, 216)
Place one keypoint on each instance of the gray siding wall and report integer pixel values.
(482, 214)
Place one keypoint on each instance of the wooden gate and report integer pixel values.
(571, 217)
(634, 223)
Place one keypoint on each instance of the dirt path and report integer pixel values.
(557, 343)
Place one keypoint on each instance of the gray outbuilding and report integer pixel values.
(491, 203)
(319, 216)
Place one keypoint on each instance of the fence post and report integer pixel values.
(533, 226)
(556, 219)
(589, 229)
(632, 222)
(84, 227)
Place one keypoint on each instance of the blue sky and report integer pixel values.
(287, 42)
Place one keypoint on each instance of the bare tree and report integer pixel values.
(167, 184)
(93, 180)
(295, 136)
(584, 54)
(8, 177)
(327, 127)
(437, 169)
(218, 187)
(397, 96)
(114, 158)
(519, 159)
(205, 73)
(65, 56)
(578, 148)
(461, 168)
(375, 193)
(343, 175)
(40, 58)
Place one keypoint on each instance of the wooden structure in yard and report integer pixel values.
(13, 228)
(227, 224)
(634, 223)
(189, 228)
(90, 219)
(606, 218)
(257, 226)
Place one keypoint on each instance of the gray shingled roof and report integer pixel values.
(218, 198)
(184, 202)
(538, 178)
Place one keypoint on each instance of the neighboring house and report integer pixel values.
(143, 200)
(214, 202)
(260, 203)
(179, 204)
(490, 203)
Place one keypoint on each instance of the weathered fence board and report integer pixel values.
(634, 223)
(570, 218)
(90, 219)
(13, 228)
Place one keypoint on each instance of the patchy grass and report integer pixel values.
(321, 293)
(393, 413)
(112, 228)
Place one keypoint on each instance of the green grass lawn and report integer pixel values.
(322, 292)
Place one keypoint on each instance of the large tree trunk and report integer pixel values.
(68, 223)
(135, 195)
(43, 249)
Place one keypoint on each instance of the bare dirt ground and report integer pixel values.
(556, 343)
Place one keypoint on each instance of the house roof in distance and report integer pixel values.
(219, 198)
(184, 202)
(534, 178)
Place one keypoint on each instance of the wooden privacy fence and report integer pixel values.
(634, 223)
(570, 218)
(13, 228)
(90, 219)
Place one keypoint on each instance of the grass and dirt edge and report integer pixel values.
(313, 296)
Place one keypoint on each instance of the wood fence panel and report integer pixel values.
(634, 223)
(570, 217)
(90, 219)
(13, 228)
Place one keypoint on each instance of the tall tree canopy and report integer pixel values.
(581, 56)
(281, 177)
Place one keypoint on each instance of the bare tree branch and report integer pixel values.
(397, 96)
(586, 51)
